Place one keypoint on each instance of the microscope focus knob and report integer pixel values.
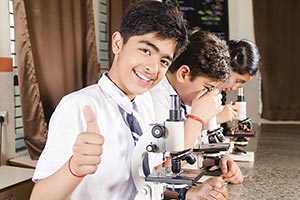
(191, 159)
(158, 131)
(151, 147)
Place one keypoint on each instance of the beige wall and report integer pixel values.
(6, 88)
(7, 104)
(4, 30)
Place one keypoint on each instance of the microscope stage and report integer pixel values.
(211, 148)
(165, 175)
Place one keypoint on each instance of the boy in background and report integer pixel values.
(194, 75)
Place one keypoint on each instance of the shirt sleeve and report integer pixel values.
(64, 127)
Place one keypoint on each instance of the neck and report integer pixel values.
(109, 75)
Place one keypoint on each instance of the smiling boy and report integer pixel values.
(89, 146)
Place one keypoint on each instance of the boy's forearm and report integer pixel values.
(58, 186)
(219, 120)
(192, 129)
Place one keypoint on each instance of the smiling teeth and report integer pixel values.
(142, 76)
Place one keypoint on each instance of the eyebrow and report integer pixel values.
(156, 49)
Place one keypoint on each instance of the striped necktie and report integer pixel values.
(134, 126)
(137, 132)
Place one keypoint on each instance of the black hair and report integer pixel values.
(164, 20)
(245, 58)
(206, 55)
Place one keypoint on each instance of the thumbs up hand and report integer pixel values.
(87, 149)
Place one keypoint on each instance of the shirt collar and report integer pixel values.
(117, 95)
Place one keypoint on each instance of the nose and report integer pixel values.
(152, 67)
(235, 87)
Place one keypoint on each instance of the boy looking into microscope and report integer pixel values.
(194, 75)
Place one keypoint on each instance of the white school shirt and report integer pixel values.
(161, 99)
(113, 178)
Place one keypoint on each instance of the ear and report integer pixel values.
(116, 42)
(183, 73)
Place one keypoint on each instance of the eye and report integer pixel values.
(206, 89)
(209, 88)
(165, 63)
(145, 51)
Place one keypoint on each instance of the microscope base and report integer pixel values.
(186, 176)
(242, 157)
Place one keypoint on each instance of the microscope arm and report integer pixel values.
(146, 190)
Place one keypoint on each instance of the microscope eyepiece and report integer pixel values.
(240, 96)
(175, 111)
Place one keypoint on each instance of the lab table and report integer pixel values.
(275, 173)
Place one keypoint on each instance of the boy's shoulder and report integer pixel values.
(86, 91)
(86, 96)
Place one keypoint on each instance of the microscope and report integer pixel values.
(211, 153)
(242, 131)
(164, 138)
(212, 147)
(214, 131)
